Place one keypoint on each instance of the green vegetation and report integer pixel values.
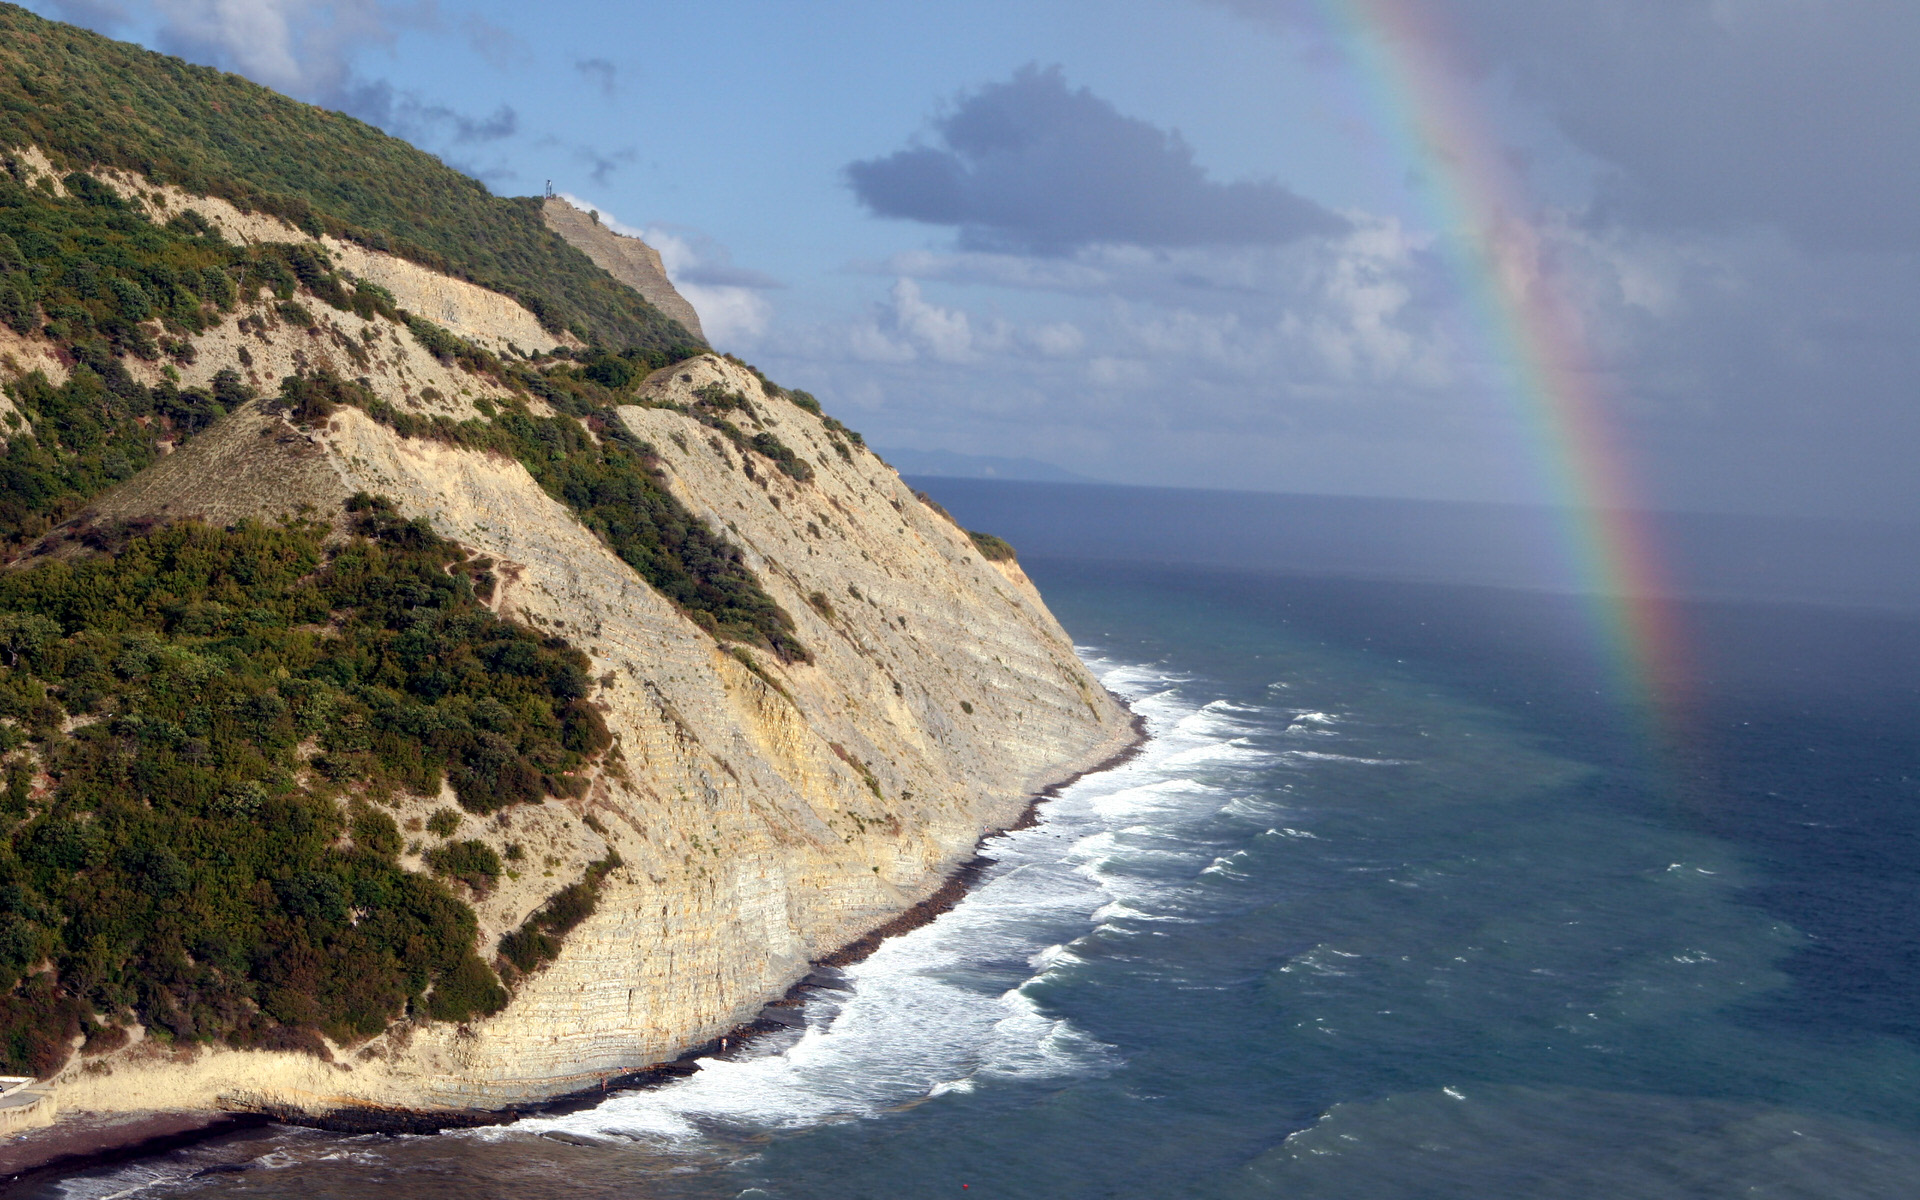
(111, 282)
(586, 458)
(109, 279)
(192, 723)
(537, 942)
(471, 862)
(860, 767)
(839, 435)
(202, 731)
(87, 100)
(939, 508)
(102, 269)
(991, 548)
(84, 436)
(712, 400)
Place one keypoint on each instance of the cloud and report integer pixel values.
(906, 327)
(1799, 114)
(1030, 166)
(729, 299)
(407, 115)
(504, 122)
(307, 50)
(601, 73)
(945, 333)
(293, 46)
(500, 46)
(691, 257)
(1366, 309)
(601, 166)
(732, 309)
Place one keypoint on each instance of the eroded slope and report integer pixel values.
(763, 807)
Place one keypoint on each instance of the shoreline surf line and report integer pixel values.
(83, 1150)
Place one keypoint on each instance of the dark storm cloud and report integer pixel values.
(1033, 166)
(1799, 114)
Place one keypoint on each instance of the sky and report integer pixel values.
(1206, 243)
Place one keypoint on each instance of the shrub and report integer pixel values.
(438, 342)
(610, 484)
(538, 940)
(468, 991)
(473, 863)
(991, 548)
(788, 462)
(375, 832)
(939, 508)
(89, 100)
(177, 868)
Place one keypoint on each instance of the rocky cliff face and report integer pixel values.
(627, 259)
(764, 813)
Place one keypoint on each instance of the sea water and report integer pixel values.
(1399, 900)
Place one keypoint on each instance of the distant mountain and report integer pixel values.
(979, 466)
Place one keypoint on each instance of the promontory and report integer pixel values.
(432, 679)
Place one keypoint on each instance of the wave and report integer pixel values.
(961, 1003)
(936, 1010)
(1323, 756)
(1492, 1139)
(1309, 722)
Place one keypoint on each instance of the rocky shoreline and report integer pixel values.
(84, 1141)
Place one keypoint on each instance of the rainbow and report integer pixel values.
(1481, 213)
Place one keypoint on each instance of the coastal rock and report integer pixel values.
(627, 259)
(764, 813)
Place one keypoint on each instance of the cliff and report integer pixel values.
(812, 692)
(628, 259)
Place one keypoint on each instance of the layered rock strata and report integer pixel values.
(628, 259)
(765, 813)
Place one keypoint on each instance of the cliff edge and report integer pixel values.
(758, 801)
(628, 259)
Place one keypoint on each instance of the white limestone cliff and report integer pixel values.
(765, 813)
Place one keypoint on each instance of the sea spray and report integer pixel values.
(935, 1009)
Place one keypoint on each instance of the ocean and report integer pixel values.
(1400, 900)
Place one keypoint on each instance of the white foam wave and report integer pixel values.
(1322, 756)
(1227, 864)
(934, 1011)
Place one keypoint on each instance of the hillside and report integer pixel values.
(627, 259)
(406, 705)
(85, 100)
